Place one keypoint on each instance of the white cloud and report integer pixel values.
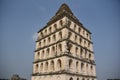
(34, 37)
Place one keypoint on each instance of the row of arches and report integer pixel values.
(51, 28)
(57, 65)
(79, 30)
(52, 51)
(58, 49)
(80, 67)
(80, 52)
(51, 39)
(48, 66)
(79, 40)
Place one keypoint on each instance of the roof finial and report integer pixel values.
(64, 7)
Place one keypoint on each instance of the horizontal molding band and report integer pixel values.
(68, 55)
(62, 72)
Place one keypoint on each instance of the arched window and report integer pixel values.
(61, 22)
(59, 64)
(79, 29)
(44, 42)
(80, 40)
(48, 39)
(87, 35)
(83, 79)
(52, 66)
(70, 63)
(75, 38)
(81, 52)
(41, 67)
(46, 66)
(82, 67)
(38, 55)
(91, 67)
(77, 78)
(85, 53)
(53, 51)
(77, 66)
(60, 34)
(41, 34)
(87, 68)
(89, 56)
(50, 30)
(60, 47)
(88, 44)
(74, 27)
(69, 23)
(76, 51)
(54, 37)
(42, 55)
(84, 43)
(70, 48)
(45, 32)
(39, 44)
(55, 26)
(36, 68)
(71, 78)
(48, 51)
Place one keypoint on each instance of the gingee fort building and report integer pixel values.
(64, 49)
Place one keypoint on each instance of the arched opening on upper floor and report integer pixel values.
(76, 51)
(60, 35)
(83, 79)
(61, 22)
(89, 56)
(81, 52)
(38, 55)
(70, 63)
(42, 54)
(46, 66)
(79, 30)
(74, 27)
(54, 37)
(44, 42)
(47, 52)
(77, 67)
(82, 67)
(55, 26)
(49, 40)
(50, 30)
(59, 64)
(53, 51)
(71, 78)
(36, 68)
(52, 65)
(77, 78)
(41, 67)
(60, 48)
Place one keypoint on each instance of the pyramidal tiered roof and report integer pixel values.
(64, 10)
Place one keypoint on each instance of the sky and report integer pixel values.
(20, 20)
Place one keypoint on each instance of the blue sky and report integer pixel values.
(21, 19)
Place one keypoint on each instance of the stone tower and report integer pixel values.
(64, 49)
